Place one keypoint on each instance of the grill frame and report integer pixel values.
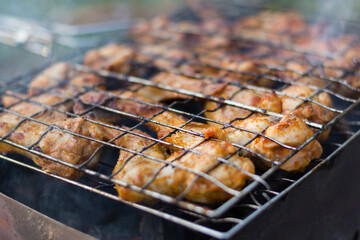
(224, 207)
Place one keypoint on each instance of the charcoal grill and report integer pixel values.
(266, 188)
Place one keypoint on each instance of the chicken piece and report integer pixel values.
(271, 102)
(145, 94)
(308, 110)
(124, 101)
(274, 27)
(243, 70)
(337, 68)
(227, 113)
(54, 76)
(172, 181)
(203, 190)
(11, 98)
(354, 81)
(157, 95)
(296, 71)
(175, 81)
(313, 40)
(288, 22)
(216, 32)
(157, 28)
(69, 148)
(162, 56)
(256, 124)
(216, 42)
(184, 138)
(237, 70)
(139, 171)
(116, 58)
(30, 133)
(56, 143)
(62, 78)
(291, 131)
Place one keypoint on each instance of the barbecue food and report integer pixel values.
(29, 131)
(240, 132)
(112, 57)
(290, 101)
(40, 137)
(62, 79)
(159, 177)
(259, 101)
(37, 134)
(290, 131)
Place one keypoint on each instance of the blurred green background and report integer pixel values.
(85, 11)
(88, 10)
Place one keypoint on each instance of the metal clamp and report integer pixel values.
(39, 38)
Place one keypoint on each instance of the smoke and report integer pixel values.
(335, 13)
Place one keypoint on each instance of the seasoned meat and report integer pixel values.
(173, 181)
(291, 131)
(37, 134)
(112, 57)
(243, 60)
(69, 148)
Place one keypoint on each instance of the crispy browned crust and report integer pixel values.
(140, 171)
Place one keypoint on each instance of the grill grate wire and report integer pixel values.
(260, 186)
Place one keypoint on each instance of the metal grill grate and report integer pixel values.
(263, 188)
